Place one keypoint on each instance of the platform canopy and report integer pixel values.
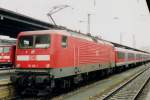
(148, 4)
(11, 23)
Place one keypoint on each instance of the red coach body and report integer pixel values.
(129, 57)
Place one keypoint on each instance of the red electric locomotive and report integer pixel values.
(58, 57)
(7, 55)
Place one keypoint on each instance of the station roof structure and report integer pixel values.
(148, 4)
(11, 23)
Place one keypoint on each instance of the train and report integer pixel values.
(7, 55)
(50, 59)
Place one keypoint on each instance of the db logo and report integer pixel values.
(32, 57)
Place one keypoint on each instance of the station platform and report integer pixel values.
(6, 89)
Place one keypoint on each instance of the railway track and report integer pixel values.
(8, 68)
(130, 89)
(144, 94)
(6, 71)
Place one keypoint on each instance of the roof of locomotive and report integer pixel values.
(62, 32)
(66, 33)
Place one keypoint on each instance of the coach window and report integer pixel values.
(64, 41)
(6, 49)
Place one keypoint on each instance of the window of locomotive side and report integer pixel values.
(42, 41)
(64, 41)
(26, 42)
(6, 49)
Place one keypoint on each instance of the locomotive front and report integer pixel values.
(33, 63)
(33, 51)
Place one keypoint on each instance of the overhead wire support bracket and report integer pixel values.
(54, 10)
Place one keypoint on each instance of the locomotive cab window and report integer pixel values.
(26, 42)
(42, 41)
(64, 41)
(36, 41)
